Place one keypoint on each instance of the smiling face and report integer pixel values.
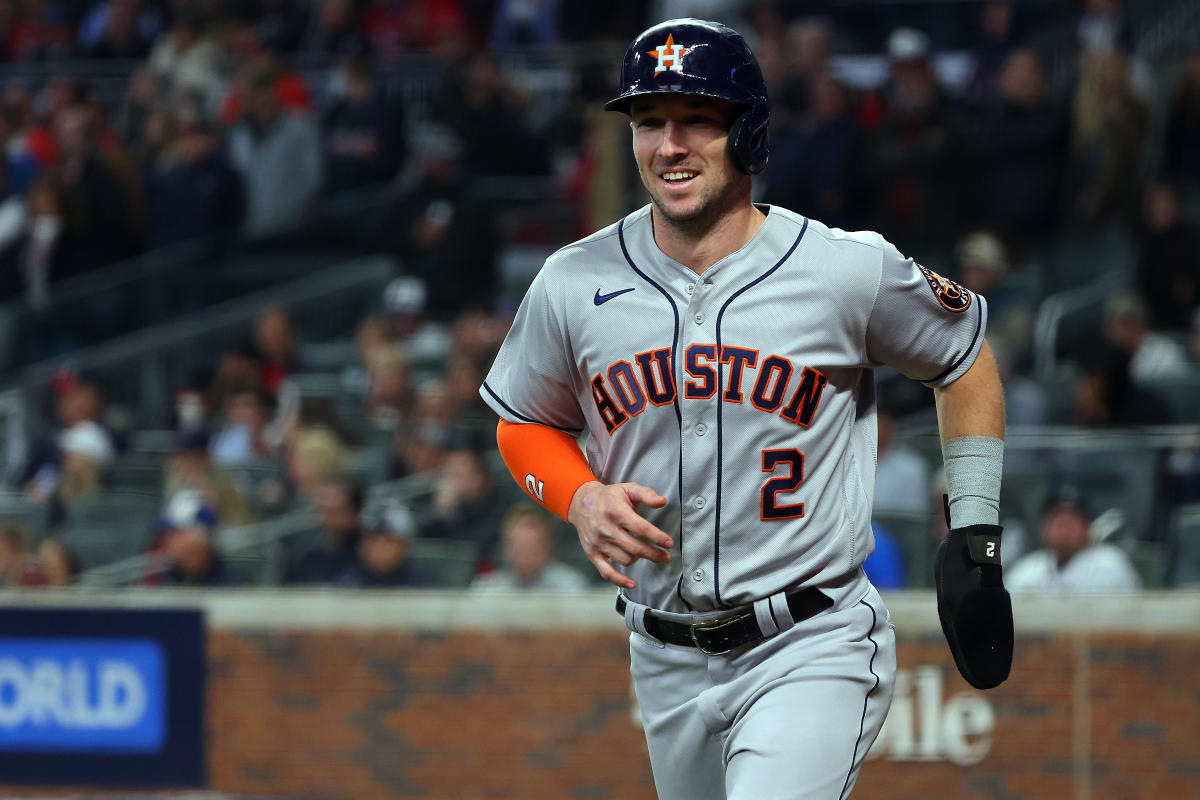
(680, 143)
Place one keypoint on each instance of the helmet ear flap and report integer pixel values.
(748, 145)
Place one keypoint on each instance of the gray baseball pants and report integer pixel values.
(790, 718)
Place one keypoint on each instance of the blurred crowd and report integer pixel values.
(1022, 148)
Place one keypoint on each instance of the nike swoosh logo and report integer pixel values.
(601, 299)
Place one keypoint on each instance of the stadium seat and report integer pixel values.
(1184, 546)
(97, 543)
(131, 509)
(33, 517)
(452, 563)
(1179, 395)
(1129, 479)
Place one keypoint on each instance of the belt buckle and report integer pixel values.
(714, 625)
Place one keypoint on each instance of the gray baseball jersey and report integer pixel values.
(745, 395)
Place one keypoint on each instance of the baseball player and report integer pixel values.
(719, 356)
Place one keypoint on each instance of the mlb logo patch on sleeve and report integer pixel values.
(951, 295)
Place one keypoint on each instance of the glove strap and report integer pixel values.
(983, 543)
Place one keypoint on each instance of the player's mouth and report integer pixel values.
(678, 177)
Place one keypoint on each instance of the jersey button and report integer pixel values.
(699, 319)
(701, 429)
(691, 287)
(699, 502)
(698, 575)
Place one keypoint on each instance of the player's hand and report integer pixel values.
(610, 529)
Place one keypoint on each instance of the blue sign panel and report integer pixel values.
(93, 695)
(102, 697)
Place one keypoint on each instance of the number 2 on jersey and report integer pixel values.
(793, 459)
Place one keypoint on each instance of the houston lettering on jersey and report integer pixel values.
(627, 387)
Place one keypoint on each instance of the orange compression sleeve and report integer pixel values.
(545, 462)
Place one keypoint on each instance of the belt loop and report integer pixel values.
(766, 622)
(780, 611)
(635, 620)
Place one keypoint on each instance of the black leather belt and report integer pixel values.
(720, 635)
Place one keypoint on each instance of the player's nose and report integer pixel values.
(673, 143)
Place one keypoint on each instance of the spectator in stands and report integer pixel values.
(315, 455)
(41, 32)
(463, 373)
(1181, 148)
(41, 253)
(187, 529)
(96, 22)
(999, 33)
(242, 438)
(383, 554)
(275, 344)
(339, 505)
(143, 97)
(82, 448)
(528, 561)
(478, 334)
(912, 157)
(14, 216)
(885, 566)
(190, 470)
(193, 195)
(236, 368)
(1025, 401)
(467, 504)
(815, 157)
(1070, 561)
(256, 67)
(370, 336)
(522, 23)
(390, 399)
(1151, 355)
(983, 262)
(1109, 127)
(279, 156)
(334, 30)
(441, 233)
(1103, 26)
(1017, 147)
(123, 35)
(363, 130)
(1169, 267)
(901, 476)
(404, 302)
(418, 448)
(59, 564)
(1105, 394)
(807, 49)
(488, 115)
(12, 552)
(97, 222)
(187, 58)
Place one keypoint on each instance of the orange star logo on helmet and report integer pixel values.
(670, 56)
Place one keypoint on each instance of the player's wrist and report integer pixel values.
(974, 465)
(579, 499)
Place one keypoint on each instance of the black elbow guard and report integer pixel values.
(973, 605)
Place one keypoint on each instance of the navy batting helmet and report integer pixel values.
(693, 56)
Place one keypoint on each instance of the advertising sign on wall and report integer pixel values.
(109, 697)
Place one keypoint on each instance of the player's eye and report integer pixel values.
(648, 122)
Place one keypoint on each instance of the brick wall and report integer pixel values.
(548, 715)
(335, 696)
